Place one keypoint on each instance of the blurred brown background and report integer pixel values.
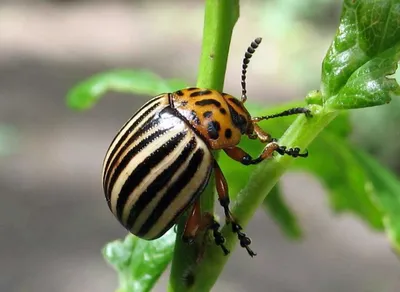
(53, 216)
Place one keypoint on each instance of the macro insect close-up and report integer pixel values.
(202, 145)
(161, 160)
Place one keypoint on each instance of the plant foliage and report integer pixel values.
(356, 73)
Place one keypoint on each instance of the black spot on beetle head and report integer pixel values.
(228, 133)
(207, 114)
(179, 93)
(236, 102)
(238, 120)
(213, 129)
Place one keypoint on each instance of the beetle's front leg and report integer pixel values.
(259, 133)
(223, 194)
(243, 157)
(197, 222)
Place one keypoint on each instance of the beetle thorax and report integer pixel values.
(219, 118)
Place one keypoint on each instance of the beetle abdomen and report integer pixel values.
(159, 168)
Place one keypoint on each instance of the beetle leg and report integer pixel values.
(243, 157)
(192, 224)
(261, 134)
(223, 195)
(197, 222)
(209, 223)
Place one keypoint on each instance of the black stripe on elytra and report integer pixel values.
(111, 178)
(143, 169)
(200, 93)
(213, 128)
(198, 192)
(171, 99)
(191, 88)
(150, 123)
(238, 120)
(158, 183)
(210, 101)
(127, 132)
(173, 191)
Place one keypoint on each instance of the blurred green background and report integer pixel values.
(54, 219)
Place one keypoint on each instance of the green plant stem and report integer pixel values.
(219, 19)
(262, 180)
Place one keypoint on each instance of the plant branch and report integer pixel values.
(219, 20)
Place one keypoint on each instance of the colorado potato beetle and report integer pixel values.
(161, 160)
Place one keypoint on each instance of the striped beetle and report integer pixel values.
(160, 161)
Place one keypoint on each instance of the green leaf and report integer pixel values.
(364, 53)
(280, 211)
(88, 92)
(385, 189)
(333, 163)
(140, 263)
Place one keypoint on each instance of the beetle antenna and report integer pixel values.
(247, 56)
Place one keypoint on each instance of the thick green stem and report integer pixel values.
(262, 180)
(186, 274)
(219, 19)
